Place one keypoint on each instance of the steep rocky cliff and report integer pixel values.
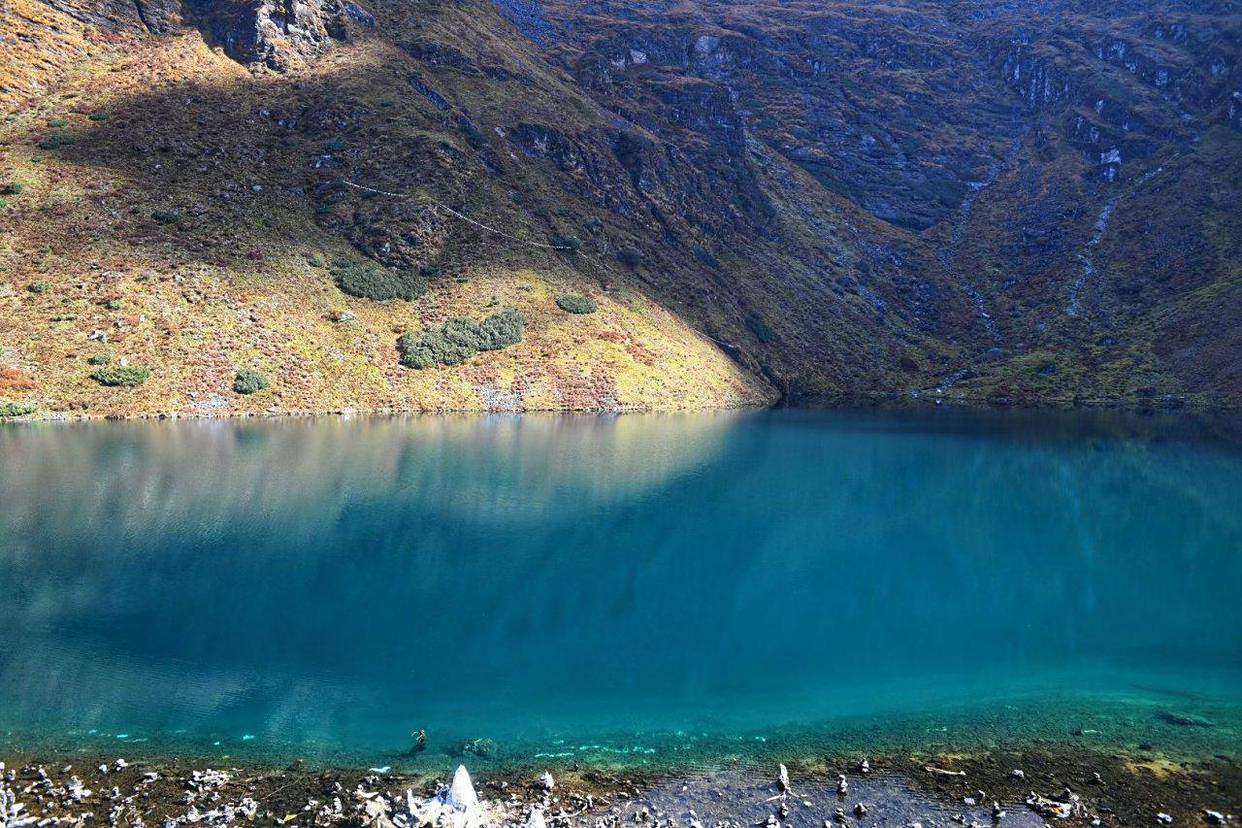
(1014, 202)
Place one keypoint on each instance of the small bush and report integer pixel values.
(459, 339)
(58, 123)
(629, 255)
(126, 375)
(762, 331)
(15, 409)
(568, 242)
(166, 216)
(113, 304)
(98, 116)
(54, 142)
(573, 303)
(99, 359)
(502, 330)
(249, 381)
(38, 287)
(12, 189)
(381, 284)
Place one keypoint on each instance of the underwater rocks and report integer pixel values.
(1185, 719)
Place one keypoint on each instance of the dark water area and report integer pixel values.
(637, 588)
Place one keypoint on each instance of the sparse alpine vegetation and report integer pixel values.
(368, 281)
(128, 376)
(575, 303)
(459, 339)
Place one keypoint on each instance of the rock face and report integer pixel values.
(277, 33)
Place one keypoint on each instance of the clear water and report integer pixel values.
(637, 586)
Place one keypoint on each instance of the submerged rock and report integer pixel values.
(1186, 719)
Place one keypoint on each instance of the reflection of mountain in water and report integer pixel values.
(297, 478)
(503, 576)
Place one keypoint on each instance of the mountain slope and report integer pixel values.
(778, 199)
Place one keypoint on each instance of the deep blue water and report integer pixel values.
(618, 586)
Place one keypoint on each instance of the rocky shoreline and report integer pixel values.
(1030, 787)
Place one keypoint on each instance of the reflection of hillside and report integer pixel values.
(213, 478)
(362, 578)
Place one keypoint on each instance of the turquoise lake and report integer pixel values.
(635, 588)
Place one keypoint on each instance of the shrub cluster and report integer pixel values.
(12, 189)
(249, 381)
(367, 281)
(762, 331)
(127, 375)
(38, 287)
(567, 242)
(629, 255)
(457, 340)
(99, 359)
(56, 141)
(15, 409)
(573, 303)
(166, 216)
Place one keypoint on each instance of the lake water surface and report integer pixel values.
(639, 588)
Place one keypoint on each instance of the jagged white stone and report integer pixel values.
(536, 819)
(460, 796)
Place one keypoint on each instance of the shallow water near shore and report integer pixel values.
(639, 589)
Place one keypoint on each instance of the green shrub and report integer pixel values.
(15, 409)
(126, 375)
(249, 381)
(99, 359)
(12, 189)
(502, 330)
(113, 304)
(166, 216)
(567, 242)
(98, 116)
(762, 331)
(459, 339)
(53, 142)
(38, 287)
(58, 123)
(573, 303)
(381, 284)
(629, 255)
